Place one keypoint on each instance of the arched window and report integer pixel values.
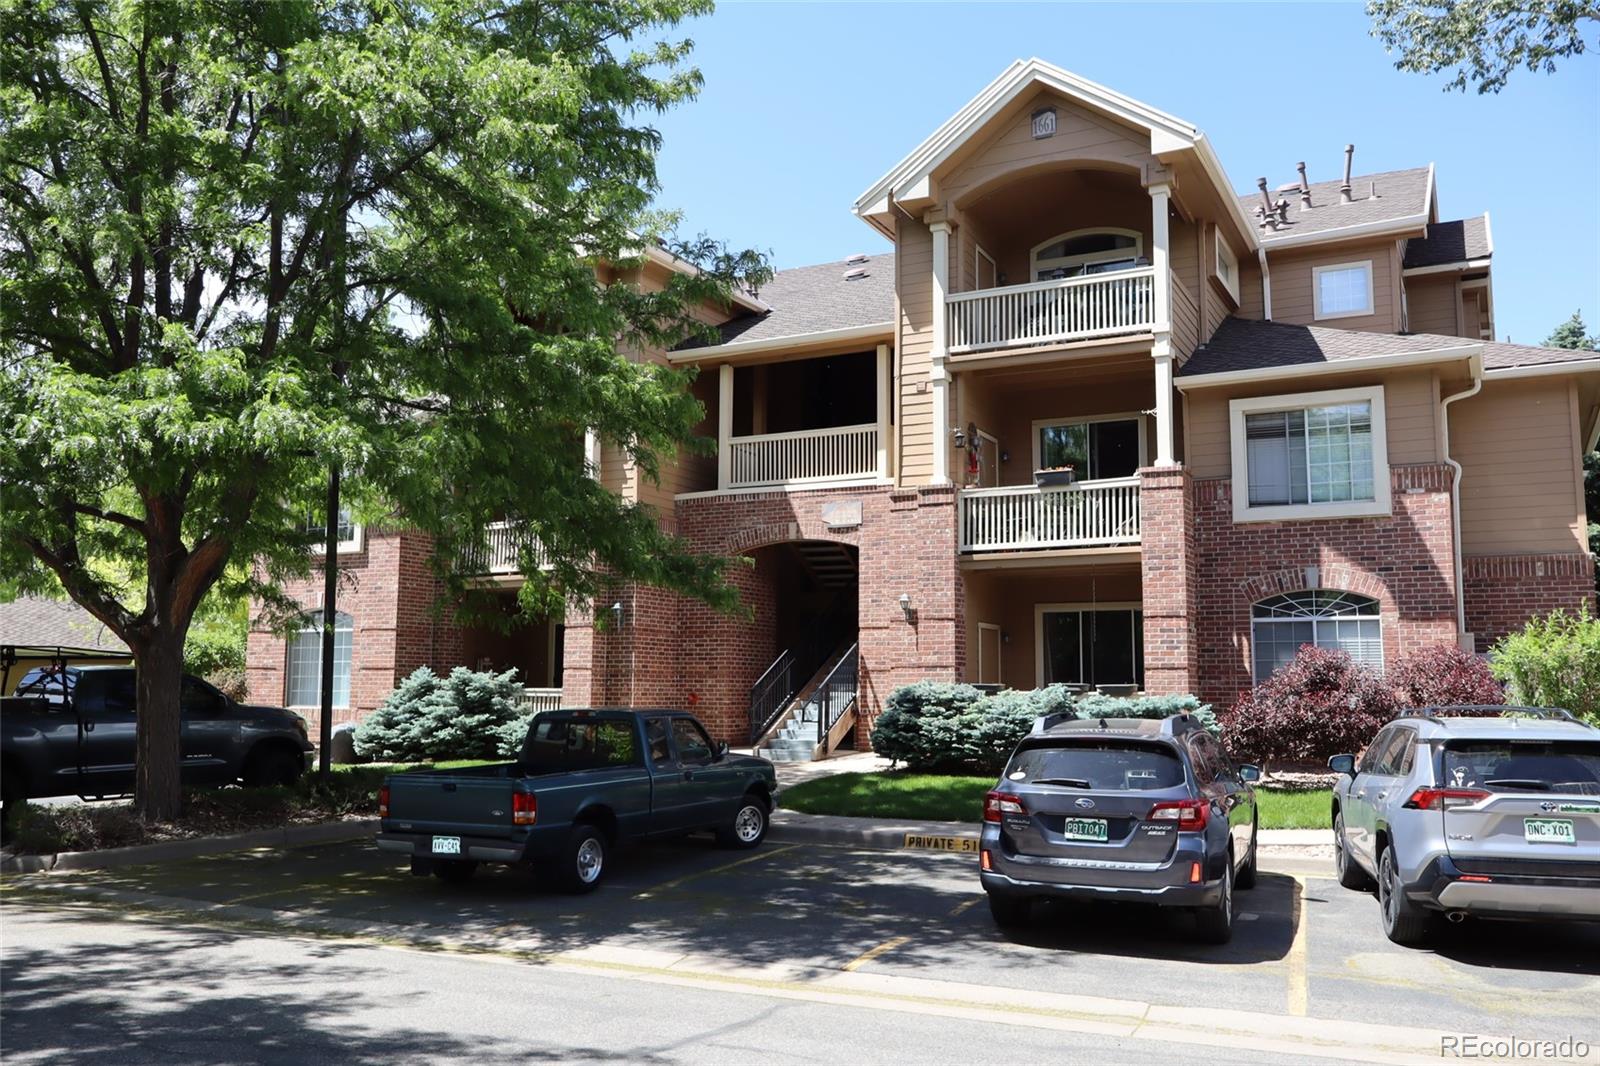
(304, 681)
(1279, 625)
(1087, 251)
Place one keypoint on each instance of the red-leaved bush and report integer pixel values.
(1319, 704)
(1443, 674)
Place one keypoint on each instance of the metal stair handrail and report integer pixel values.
(837, 691)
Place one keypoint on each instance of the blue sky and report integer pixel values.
(806, 104)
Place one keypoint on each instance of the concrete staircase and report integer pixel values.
(795, 738)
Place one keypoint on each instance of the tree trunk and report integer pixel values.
(158, 787)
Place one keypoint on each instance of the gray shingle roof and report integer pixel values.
(1249, 344)
(1450, 242)
(34, 620)
(815, 299)
(1401, 194)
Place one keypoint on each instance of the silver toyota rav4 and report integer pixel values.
(1454, 811)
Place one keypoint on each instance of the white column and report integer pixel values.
(938, 379)
(1160, 259)
(724, 425)
(591, 453)
(883, 410)
(1164, 402)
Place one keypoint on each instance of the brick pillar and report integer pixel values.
(1171, 644)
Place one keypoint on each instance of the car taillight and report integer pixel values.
(524, 808)
(383, 802)
(1442, 799)
(1190, 815)
(998, 803)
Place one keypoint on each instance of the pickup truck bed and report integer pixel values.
(584, 782)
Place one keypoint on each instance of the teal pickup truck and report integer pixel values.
(584, 782)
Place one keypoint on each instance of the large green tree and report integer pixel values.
(247, 242)
(1574, 334)
(1484, 41)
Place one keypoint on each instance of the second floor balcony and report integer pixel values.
(1055, 311)
(1027, 518)
(500, 554)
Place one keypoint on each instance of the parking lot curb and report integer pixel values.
(192, 848)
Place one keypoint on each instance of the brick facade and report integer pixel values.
(1169, 562)
(1403, 560)
(1504, 591)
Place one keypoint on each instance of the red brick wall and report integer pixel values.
(1169, 580)
(1504, 591)
(1404, 560)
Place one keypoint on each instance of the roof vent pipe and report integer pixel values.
(1344, 189)
(1269, 214)
(1372, 190)
(1305, 187)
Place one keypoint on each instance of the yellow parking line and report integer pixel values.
(669, 885)
(882, 949)
(962, 908)
(1296, 959)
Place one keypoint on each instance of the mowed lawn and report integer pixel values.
(953, 798)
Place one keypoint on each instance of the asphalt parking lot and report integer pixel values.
(1303, 948)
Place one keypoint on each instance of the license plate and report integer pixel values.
(1085, 829)
(1549, 831)
(447, 845)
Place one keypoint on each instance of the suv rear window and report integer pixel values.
(1523, 766)
(1098, 764)
(555, 745)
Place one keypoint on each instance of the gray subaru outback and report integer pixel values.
(1472, 811)
(1130, 810)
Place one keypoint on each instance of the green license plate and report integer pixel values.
(1549, 831)
(1085, 829)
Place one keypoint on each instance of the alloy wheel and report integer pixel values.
(591, 856)
(747, 825)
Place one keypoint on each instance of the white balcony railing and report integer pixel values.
(540, 699)
(1020, 517)
(1049, 312)
(839, 453)
(500, 553)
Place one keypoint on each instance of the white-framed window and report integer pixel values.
(349, 531)
(1310, 455)
(303, 677)
(1227, 267)
(1345, 621)
(1086, 251)
(1106, 446)
(1342, 290)
(1089, 643)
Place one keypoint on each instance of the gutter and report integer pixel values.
(779, 344)
(1266, 283)
(1397, 226)
(1540, 370)
(1455, 498)
(1473, 350)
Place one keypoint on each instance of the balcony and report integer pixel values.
(498, 558)
(1025, 518)
(539, 699)
(1092, 307)
(840, 453)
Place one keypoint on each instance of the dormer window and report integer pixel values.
(1087, 251)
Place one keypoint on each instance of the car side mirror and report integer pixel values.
(1342, 764)
(720, 752)
(1250, 773)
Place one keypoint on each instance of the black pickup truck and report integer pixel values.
(584, 782)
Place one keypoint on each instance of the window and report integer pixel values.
(1080, 644)
(557, 744)
(1280, 625)
(304, 682)
(1342, 290)
(349, 531)
(1122, 765)
(1080, 252)
(1312, 455)
(1094, 448)
(690, 740)
(1227, 267)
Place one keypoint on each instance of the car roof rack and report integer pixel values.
(1445, 714)
(1045, 722)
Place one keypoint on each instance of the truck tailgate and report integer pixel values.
(465, 803)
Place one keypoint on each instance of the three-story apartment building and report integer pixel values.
(1097, 419)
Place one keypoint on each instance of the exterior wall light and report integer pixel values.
(906, 609)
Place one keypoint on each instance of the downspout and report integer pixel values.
(1455, 496)
(1266, 285)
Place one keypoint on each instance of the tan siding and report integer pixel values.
(1408, 405)
(1520, 468)
(1292, 299)
(1080, 135)
(1250, 292)
(1431, 305)
(914, 286)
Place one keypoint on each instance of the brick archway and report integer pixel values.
(1258, 587)
(754, 538)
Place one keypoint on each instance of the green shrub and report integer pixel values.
(1320, 703)
(211, 649)
(467, 715)
(937, 726)
(1553, 662)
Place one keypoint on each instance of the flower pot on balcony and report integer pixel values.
(1055, 477)
(1118, 691)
